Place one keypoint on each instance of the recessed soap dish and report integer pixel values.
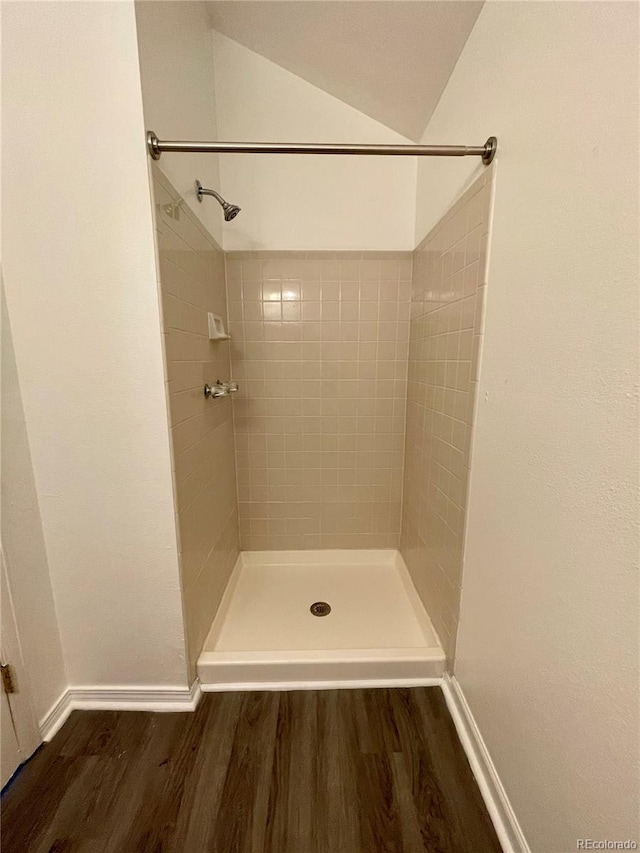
(216, 328)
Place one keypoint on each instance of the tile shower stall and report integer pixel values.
(338, 473)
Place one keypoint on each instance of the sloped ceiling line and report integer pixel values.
(389, 59)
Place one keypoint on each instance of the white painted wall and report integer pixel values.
(548, 643)
(82, 300)
(388, 60)
(178, 94)
(302, 202)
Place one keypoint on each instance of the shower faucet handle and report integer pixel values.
(217, 390)
(220, 389)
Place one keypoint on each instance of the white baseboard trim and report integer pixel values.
(55, 717)
(118, 698)
(495, 797)
(346, 684)
(182, 699)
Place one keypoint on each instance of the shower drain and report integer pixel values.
(320, 608)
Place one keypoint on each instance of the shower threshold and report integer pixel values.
(267, 633)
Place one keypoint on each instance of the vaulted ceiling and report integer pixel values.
(390, 59)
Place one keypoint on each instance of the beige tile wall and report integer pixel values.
(320, 343)
(192, 282)
(447, 303)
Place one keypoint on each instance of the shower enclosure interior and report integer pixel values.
(321, 507)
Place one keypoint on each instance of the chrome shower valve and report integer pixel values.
(220, 389)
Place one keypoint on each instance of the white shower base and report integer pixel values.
(264, 636)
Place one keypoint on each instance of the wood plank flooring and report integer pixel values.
(335, 771)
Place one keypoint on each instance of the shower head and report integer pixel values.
(230, 210)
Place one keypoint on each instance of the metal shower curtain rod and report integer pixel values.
(158, 146)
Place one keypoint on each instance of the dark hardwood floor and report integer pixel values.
(337, 771)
